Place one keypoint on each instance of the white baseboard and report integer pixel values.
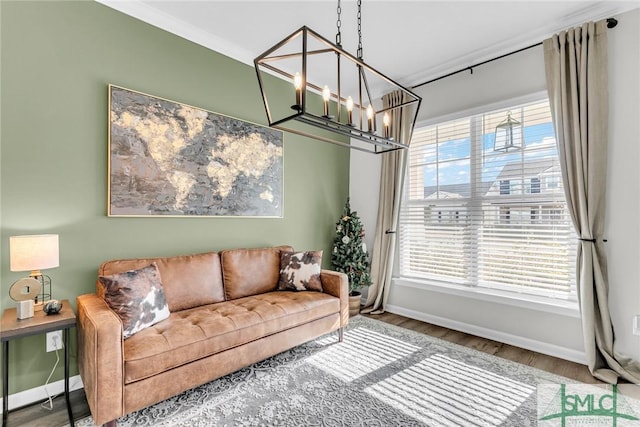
(527, 343)
(38, 394)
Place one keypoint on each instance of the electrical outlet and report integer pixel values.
(636, 324)
(54, 341)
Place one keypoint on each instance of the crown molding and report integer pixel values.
(593, 12)
(147, 13)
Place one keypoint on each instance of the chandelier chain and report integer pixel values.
(359, 53)
(339, 25)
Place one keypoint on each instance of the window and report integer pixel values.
(505, 188)
(476, 217)
(535, 185)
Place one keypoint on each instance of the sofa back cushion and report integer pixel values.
(188, 281)
(251, 271)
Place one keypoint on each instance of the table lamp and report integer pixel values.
(33, 253)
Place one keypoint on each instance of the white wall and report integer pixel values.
(623, 181)
(511, 77)
(364, 186)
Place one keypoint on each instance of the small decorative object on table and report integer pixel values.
(350, 256)
(52, 307)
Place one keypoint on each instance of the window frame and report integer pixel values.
(567, 306)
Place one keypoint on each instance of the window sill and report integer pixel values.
(531, 302)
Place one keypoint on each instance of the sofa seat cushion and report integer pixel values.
(192, 334)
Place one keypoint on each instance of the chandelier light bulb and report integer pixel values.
(297, 84)
(349, 104)
(297, 81)
(386, 121)
(370, 118)
(349, 111)
(326, 95)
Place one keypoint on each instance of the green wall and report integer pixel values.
(57, 59)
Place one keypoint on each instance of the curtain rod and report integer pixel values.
(611, 23)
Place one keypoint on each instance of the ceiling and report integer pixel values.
(409, 41)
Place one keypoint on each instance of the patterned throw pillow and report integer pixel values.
(300, 271)
(137, 298)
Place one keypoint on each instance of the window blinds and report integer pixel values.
(478, 217)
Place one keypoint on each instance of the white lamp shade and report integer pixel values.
(36, 252)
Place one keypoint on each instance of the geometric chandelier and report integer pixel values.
(325, 93)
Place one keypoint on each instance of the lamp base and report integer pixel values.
(45, 293)
(24, 309)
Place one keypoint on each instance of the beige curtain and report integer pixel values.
(391, 181)
(576, 72)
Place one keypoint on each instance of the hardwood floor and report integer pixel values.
(35, 416)
(541, 361)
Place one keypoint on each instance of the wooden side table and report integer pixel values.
(40, 323)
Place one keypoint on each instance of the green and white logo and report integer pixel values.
(574, 405)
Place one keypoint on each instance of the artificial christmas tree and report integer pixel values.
(349, 253)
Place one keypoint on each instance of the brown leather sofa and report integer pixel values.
(225, 314)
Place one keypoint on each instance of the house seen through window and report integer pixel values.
(483, 218)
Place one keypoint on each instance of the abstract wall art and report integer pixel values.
(172, 159)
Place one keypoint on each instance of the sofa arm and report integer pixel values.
(100, 358)
(337, 284)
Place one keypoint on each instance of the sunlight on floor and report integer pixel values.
(452, 392)
(362, 352)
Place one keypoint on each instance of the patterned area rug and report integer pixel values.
(381, 375)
